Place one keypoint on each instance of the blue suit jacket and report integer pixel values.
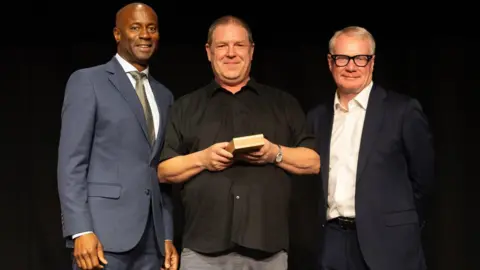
(394, 177)
(107, 178)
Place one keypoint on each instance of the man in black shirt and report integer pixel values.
(236, 206)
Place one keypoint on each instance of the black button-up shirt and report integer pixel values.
(245, 205)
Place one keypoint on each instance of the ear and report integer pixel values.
(330, 62)
(116, 34)
(209, 52)
(252, 48)
(373, 61)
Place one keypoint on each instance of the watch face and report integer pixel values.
(278, 158)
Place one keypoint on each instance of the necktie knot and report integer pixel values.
(138, 75)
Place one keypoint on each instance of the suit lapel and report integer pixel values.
(121, 82)
(326, 131)
(371, 127)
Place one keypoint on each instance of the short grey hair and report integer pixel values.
(353, 31)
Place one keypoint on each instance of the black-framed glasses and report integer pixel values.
(360, 60)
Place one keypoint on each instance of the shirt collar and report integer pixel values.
(127, 67)
(361, 98)
(213, 87)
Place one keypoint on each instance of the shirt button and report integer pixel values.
(238, 197)
(147, 191)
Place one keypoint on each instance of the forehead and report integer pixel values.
(140, 15)
(229, 32)
(351, 45)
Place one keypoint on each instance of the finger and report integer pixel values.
(251, 158)
(92, 254)
(76, 255)
(99, 264)
(254, 155)
(80, 262)
(218, 166)
(223, 144)
(221, 167)
(241, 157)
(224, 153)
(255, 160)
(88, 260)
(220, 159)
(94, 259)
(83, 262)
(174, 262)
(257, 153)
(101, 255)
(167, 259)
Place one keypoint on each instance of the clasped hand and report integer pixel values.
(216, 158)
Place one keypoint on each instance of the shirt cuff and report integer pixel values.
(80, 234)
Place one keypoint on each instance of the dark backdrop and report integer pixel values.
(433, 60)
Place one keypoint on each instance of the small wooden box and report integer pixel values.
(245, 144)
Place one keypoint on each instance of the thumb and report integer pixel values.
(223, 144)
(100, 254)
(168, 254)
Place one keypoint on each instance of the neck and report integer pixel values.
(139, 67)
(234, 87)
(345, 98)
(345, 95)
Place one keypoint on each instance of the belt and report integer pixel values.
(345, 223)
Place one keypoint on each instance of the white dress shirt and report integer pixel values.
(344, 148)
(127, 67)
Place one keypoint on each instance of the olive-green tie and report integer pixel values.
(140, 89)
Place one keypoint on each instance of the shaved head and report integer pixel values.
(136, 33)
(127, 10)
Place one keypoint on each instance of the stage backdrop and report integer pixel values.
(436, 67)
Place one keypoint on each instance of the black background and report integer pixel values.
(430, 55)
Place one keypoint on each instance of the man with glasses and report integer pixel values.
(377, 161)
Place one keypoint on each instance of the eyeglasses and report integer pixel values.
(343, 60)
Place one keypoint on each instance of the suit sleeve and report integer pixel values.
(76, 136)
(312, 116)
(167, 209)
(417, 141)
(301, 135)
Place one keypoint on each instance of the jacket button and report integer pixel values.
(147, 191)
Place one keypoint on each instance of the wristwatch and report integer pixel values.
(279, 156)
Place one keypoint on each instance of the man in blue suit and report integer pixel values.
(377, 165)
(115, 213)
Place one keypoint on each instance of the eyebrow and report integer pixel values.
(141, 23)
(226, 42)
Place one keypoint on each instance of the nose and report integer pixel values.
(144, 33)
(351, 66)
(231, 51)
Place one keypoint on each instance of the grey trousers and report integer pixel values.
(191, 260)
